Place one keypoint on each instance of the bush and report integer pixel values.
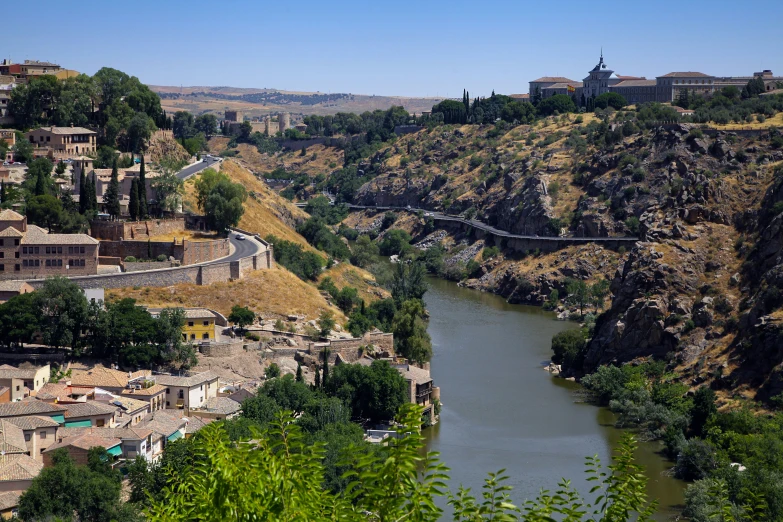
(489, 252)
(633, 224)
(696, 460)
(567, 348)
(130, 259)
(252, 336)
(472, 268)
(161, 258)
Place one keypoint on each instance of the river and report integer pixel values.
(502, 410)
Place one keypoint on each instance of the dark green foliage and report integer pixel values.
(559, 103)
(408, 282)
(133, 204)
(111, 200)
(224, 205)
(306, 265)
(610, 99)
(318, 234)
(703, 408)
(567, 348)
(319, 207)
(411, 339)
(143, 211)
(241, 316)
(395, 242)
(374, 392)
(364, 252)
(272, 371)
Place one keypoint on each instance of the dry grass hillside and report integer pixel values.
(317, 160)
(345, 274)
(270, 293)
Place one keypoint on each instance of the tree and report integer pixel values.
(44, 211)
(299, 375)
(567, 348)
(559, 103)
(364, 251)
(173, 351)
(139, 131)
(204, 184)
(703, 408)
(598, 292)
(38, 179)
(408, 282)
(168, 190)
(206, 124)
(578, 294)
(143, 211)
(62, 312)
(84, 198)
(60, 168)
(241, 316)
(375, 393)
(610, 99)
(133, 204)
(111, 199)
(19, 318)
(183, 125)
(224, 206)
(326, 323)
(272, 371)
(411, 339)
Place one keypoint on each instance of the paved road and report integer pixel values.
(492, 230)
(196, 168)
(242, 248)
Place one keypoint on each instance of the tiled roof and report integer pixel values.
(11, 286)
(564, 85)
(186, 382)
(144, 392)
(104, 377)
(162, 422)
(85, 441)
(636, 83)
(88, 409)
(19, 467)
(67, 130)
(241, 395)
(10, 215)
(128, 404)
(32, 422)
(9, 500)
(222, 405)
(134, 433)
(52, 390)
(10, 232)
(12, 372)
(196, 423)
(553, 79)
(413, 373)
(29, 407)
(190, 313)
(685, 74)
(11, 438)
(38, 236)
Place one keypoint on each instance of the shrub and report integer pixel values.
(272, 371)
(553, 188)
(473, 268)
(689, 325)
(567, 348)
(696, 460)
(475, 161)
(252, 336)
(637, 174)
(130, 259)
(490, 252)
(633, 224)
(161, 258)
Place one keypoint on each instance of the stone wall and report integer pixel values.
(147, 265)
(194, 252)
(186, 252)
(116, 230)
(226, 349)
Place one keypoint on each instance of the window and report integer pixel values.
(16, 242)
(190, 323)
(27, 437)
(205, 336)
(17, 387)
(167, 404)
(16, 268)
(43, 434)
(167, 392)
(81, 250)
(48, 262)
(192, 337)
(48, 250)
(2, 268)
(99, 423)
(70, 250)
(181, 394)
(24, 250)
(59, 250)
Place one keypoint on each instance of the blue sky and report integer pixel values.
(424, 48)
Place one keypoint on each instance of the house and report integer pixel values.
(135, 441)
(39, 433)
(28, 251)
(218, 408)
(109, 379)
(420, 389)
(5, 394)
(153, 394)
(6, 135)
(131, 411)
(199, 324)
(36, 68)
(78, 447)
(189, 392)
(9, 289)
(17, 472)
(11, 439)
(9, 502)
(23, 381)
(7, 84)
(30, 406)
(91, 413)
(166, 427)
(64, 140)
(241, 395)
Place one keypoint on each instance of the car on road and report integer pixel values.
(240, 237)
(428, 214)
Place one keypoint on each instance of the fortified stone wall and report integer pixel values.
(226, 349)
(116, 230)
(194, 252)
(187, 252)
(147, 265)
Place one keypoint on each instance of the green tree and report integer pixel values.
(364, 251)
(204, 184)
(299, 375)
(395, 242)
(111, 199)
(173, 351)
(272, 371)
(143, 211)
(578, 294)
(567, 347)
(703, 409)
(44, 211)
(60, 168)
(19, 320)
(375, 393)
(23, 149)
(62, 312)
(139, 131)
(38, 179)
(411, 339)
(559, 103)
(206, 124)
(598, 292)
(168, 188)
(133, 204)
(326, 323)
(224, 206)
(610, 99)
(183, 125)
(241, 316)
(408, 282)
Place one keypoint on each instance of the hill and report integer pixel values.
(260, 102)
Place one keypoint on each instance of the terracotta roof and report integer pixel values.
(10, 215)
(12, 372)
(134, 433)
(52, 390)
(12, 286)
(636, 83)
(564, 85)
(686, 74)
(32, 422)
(19, 467)
(66, 130)
(9, 500)
(553, 79)
(85, 441)
(38, 236)
(186, 382)
(413, 373)
(88, 409)
(104, 377)
(190, 313)
(29, 407)
(241, 395)
(162, 422)
(146, 392)
(10, 232)
(11, 438)
(128, 404)
(196, 423)
(222, 405)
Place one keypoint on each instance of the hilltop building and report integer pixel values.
(63, 141)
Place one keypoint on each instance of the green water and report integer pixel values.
(502, 410)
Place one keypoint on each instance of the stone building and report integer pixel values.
(28, 251)
(64, 140)
(234, 116)
(189, 392)
(669, 86)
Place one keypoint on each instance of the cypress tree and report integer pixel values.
(299, 376)
(40, 184)
(133, 206)
(2, 191)
(93, 194)
(111, 199)
(317, 378)
(84, 198)
(142, 190)
(326, 366)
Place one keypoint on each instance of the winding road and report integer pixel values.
(242, 248)
(196, 168)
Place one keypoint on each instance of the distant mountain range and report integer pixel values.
(260, 102)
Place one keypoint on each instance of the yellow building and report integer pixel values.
(199, 324)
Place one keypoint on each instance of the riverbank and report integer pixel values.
(502, 410)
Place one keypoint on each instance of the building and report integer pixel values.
(771, 82)
(79, 447)
(7, 84)
(234, 116)
(39, 433)
(135, 441)
(189, 392)
(538, 86)
(166, 427)
(283, 121)
(153, 394)
(217, 408)
(671, 85)
(28, 251)
(108, 379)
(17, 472)
(23, 381)
(420, 389)
(6, 135)
(36, 68)
(90, 414)
(64, 141)
(637, 90)
(199, 324)
(130, 411)
(33, 407)
(9, 289)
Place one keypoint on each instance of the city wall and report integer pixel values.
(117, 230)
(187, 252)
(225, 349)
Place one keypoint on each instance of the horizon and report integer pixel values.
(410, 50)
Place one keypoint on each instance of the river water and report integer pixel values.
(502, 410)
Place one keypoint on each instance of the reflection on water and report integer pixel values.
(502, 410)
